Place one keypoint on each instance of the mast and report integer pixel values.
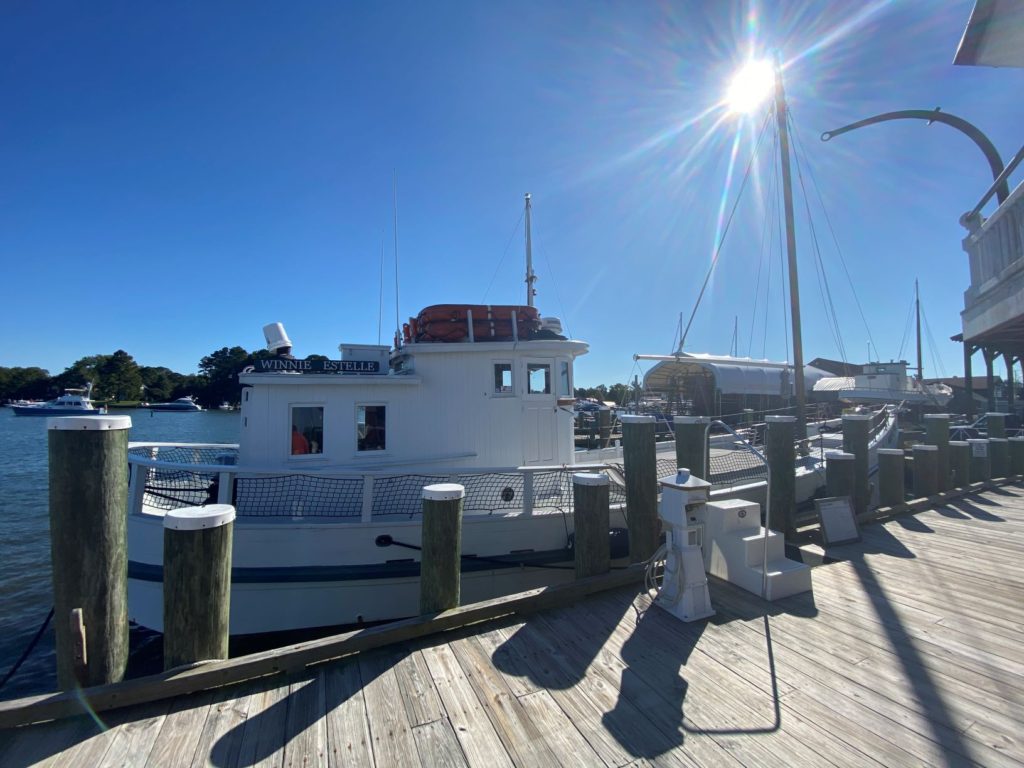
(781, 113)
(530, 277)
(917, 311)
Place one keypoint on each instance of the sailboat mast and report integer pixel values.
(917, 311)
(530, 277)
(781, 113)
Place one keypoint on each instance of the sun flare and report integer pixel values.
(751, 85)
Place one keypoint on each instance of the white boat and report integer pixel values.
(334, 454)
(74, 402)
(886, 383)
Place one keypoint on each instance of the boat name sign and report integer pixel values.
(278, 364)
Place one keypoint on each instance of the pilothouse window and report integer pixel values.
(538, 377)
(503, 379)
(307, 430)
(370, 428)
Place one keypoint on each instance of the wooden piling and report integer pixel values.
(839, 474)
(197, 583)
(891, 486)
(441, 558)
(781, 454)
(1016, 448)
(604, 427)
(692, 444)
(88, 545)
(999, 456)
(936, 429)
(856, 433)
(639, 455)
(926, 468)
(981, 467)
(591, 521)
(960, 463)
(995, 424)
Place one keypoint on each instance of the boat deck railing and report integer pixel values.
(168, 476)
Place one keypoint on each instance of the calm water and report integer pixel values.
(25, 593)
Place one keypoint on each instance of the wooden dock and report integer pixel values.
(908, 653)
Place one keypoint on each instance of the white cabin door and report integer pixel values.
(540, 412)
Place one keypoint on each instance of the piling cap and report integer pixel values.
(199, 518)
(780, 419)
(692, 419)
(443, 492)
(635, 418)
(841, 455)
(893, 451)
(88, 423)
(924, 447)
(589, 478)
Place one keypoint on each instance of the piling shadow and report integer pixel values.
(914, 523)
(970, 508)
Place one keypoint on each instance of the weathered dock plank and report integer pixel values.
(906, 653)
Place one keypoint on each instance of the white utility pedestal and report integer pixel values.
(684, 589)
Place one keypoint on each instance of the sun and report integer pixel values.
(750, 86)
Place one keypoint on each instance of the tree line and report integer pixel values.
(117, 378)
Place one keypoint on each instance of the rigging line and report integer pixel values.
(554, 283)
(835, 238)
(770, 200)
(936, 362)
(380, 305)
(504, 253)
(725, 231)
(906, 329)
(819, 265)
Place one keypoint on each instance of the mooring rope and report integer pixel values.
(31, 646)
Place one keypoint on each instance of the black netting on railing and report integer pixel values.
(183, 454)
(401, 494)
(665, 467)
(173, 488)
(491, 493)
(735, 466)
(299, 495)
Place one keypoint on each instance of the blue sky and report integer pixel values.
(176, 175)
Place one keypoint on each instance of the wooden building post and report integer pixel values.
(839, 474)
(692, 444)
(981, 468)
(441, 558)
(88, 545)
(591, 521)
(969, 378)
(926, 470)
(856, 434)
(999, 456)
(781, 454)
(995, 425)
(936, 431)
(197, 583)
(1016, 449)
(891, 486)
(639, 455)
(960, 463)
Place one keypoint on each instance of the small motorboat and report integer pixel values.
(181, 404)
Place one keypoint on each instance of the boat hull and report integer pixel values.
(31, 410)
(300, 575)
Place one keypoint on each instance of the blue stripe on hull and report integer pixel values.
(395, 569)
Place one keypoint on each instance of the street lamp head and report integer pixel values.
(750, 86)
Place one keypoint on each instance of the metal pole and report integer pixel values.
(530, 277)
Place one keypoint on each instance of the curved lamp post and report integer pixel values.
(995, 162)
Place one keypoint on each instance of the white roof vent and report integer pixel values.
(552, 324)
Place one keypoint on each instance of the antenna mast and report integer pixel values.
(530, 277)
(398, 323)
